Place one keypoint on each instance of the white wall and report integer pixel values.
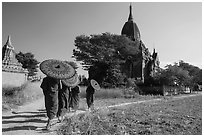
(13, 79)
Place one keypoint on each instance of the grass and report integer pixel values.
(111, 93)
(105, 97)
(165, 117)
(16, 96)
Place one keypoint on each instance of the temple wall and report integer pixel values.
(13, 78)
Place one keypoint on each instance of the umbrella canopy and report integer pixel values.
(57, 69)
(71, 82)
(95, 84)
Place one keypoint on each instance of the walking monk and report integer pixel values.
(50, 87)
(74, 97)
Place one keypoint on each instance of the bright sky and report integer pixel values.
(48, 30)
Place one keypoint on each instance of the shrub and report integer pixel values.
(11, 90)
(15, 96)
(130, 82)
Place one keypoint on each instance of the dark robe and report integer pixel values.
(50, 88)
(74, 97)
(63, 97)
(89, 95)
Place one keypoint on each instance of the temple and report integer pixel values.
(145, 64)
(12, 72)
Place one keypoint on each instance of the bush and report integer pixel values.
(151, 90)
(11, 90)
(16, 96)
(130, 82)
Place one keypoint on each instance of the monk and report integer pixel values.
(74, 97)
(89, 97)
(63, 97)
(50, 87)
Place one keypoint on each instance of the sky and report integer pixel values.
(48, 29)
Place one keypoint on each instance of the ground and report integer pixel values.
(30, 119)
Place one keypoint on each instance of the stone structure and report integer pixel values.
(144, 65)
(12, 72)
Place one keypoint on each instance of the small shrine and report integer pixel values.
(12, 71)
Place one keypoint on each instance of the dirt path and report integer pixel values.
(31, 119)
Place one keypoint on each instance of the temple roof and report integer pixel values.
(130, 28)
(9, 61)
(8, 43)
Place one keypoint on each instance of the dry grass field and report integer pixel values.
(12, 97)
(168, 116)
(154, 115)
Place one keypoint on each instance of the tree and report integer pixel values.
(194, 72)
(29, 62)
(174, 75)
(103, 54)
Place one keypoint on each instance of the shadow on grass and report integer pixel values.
(28, 117)
(19, 128)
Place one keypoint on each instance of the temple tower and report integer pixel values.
(12, 72)
(130, 28)
(142, 67)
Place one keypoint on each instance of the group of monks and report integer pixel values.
(60, 98)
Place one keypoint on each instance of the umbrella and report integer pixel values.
(95, 84)
(71, 82)
(57, 69)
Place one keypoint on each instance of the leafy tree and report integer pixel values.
(194, 72)
(103, 54)
(181, 74)
(29, 62)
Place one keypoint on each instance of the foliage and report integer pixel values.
(114, 78)
(11, 90)
(103, 54)
(29, 62)
(15, 96)
(102, 48)
(178, 74)
(130, 82)
(194, 72)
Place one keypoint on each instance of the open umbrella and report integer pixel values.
(95, 84)
(57, 69)
(71, 82)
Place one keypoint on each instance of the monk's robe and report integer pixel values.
(74, 97)
(50, 87)
(89, 95)
(63, 97)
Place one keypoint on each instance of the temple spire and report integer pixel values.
(8, 43)
(130, 18)
(8, 40)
